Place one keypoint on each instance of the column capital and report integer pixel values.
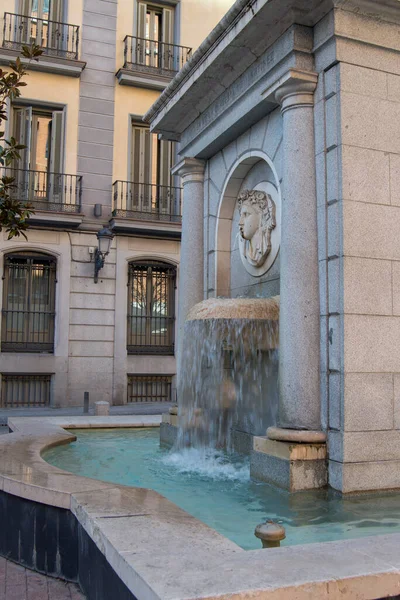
(190, 169)
(294, 89)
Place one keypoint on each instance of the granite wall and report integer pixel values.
(222, 216)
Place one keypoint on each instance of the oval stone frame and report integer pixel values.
(268, 188)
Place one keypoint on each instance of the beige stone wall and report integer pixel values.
(90, 349)
(90, 333)
(194, 21)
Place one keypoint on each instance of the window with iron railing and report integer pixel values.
(151, 193)
(151, 308)
(151, 56)
(25, 390)
(41, 22)
(38, 175)
(153, 48)
(28, 311)
(149, 388)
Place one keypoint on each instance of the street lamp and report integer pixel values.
(105, 237)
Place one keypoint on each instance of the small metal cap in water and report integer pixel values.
(271, 534)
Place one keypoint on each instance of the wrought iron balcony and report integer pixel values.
(151, 56)
(55, 39)
(55, 192)
(147, 202)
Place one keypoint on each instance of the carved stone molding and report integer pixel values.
(190, 170)
(295, 88)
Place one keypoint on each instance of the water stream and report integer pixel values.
(229, 371)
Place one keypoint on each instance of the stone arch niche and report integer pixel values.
(234, 274)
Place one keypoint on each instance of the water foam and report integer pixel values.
(208, 463)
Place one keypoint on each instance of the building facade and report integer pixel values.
(91, 162)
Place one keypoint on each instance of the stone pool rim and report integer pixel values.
(159, 551)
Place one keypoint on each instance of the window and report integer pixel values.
(28, 303)
(151, 308)
(151, 158)
(155, 33)
(24, 390)
(42, 25)
(42, 9)
(42, 132)
(149, 388)
(38, 173)
(151, 162)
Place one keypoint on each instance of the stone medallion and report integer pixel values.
(259, 227)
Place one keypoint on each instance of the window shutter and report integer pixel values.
(164, 177)
(25, 7)
(57, 33)
(141, 168)
(168, 51)
(56, 10)
(168, 26)
(22, 130)
(141, 154)
(57, 142)
(56, 157)
(141, 19)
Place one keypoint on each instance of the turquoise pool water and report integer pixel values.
(220, 492)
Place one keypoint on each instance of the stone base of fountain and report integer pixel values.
(289, 465)
(292, 466)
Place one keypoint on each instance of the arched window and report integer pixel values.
(151, 308)
(28, 312)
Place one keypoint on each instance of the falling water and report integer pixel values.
(228, 378)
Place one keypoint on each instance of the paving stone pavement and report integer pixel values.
(18, 583)
(134, 408)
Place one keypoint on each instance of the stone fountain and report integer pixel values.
(228, 390)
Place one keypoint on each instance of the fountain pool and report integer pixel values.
(219, 491)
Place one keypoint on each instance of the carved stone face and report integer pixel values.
(257, 220)
(250, 221)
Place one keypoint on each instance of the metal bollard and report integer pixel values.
(86, 403)
(271, 534)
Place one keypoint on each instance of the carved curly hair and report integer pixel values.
(264, 205)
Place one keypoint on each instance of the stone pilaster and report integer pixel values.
(191, 273)
(299, 401)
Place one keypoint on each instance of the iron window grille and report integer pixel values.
(28, 313)
(151, 308)
(149, 388)
(27, 390)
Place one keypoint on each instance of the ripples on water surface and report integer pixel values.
(219, 491)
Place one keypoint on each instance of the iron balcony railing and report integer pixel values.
(151, 55)
(146, 201)
(56, 192)
(55, 38)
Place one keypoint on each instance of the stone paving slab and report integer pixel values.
(18, 583)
